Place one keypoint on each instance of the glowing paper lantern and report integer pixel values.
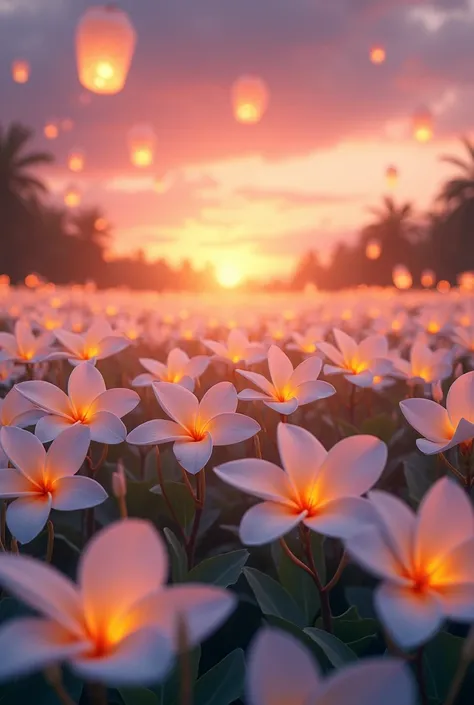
(20, 71)
(428, 278)
(72, 197)
(373, 249)
(401, 277)
(378, 54)
(51, 130)
(249, 99)
(105, 42)
(423, 125)
(391, 176)
(141, 140)
(76, 160)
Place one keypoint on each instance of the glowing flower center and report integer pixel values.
(91, 352)
(433, 327)
(82, 415)
(199, 430)
(236, 358)
(356, 366)
(175, 377)
(309, 500)
(396, 325)
(309, 348)
(377, 379)
(285, 394)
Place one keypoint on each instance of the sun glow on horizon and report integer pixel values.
(228, 275)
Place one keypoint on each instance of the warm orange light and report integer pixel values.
(105, 42)
(72, 197)
(443, 286)
(423, 126)
(76, 160)
(373, 249)
(20, 71)
(32, 281)
(378, 55)
(466, 281)
(51, 131)
(391, 176)
(4, 281)
(250, 98)
(228, 275)
(141, 140)
(100, 224)
(401, 277)
(428, 278)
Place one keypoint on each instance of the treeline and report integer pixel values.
(66, 246)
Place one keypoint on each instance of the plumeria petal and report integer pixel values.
(428, 418)
(398, 523)
(221, 398)
(259, 381)
(257, 477)
(460, 399)
(179, 403)
(267, 521)
(312, 391)
(49, 427)
(45, 396)
(27, 516)
(25, 451)
(117, 401)
(85, 384)
(67, 452)
(77, 492)
(107, 428)
(14, 484)
(193, 455)
(155, 432)
(283, 407)
(342, 518)
(410, 617)
(228, 428)
(307, 371)
(280, 367)
(301, 455)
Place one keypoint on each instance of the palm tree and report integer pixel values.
(457, 197)
(19, 190)
(90, 226)
(394, 227)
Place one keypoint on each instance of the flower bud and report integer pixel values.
(437, 392)
(119, 481)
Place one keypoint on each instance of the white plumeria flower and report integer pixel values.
(307, 342)
(425, 366)
(196, 426)
(41, 481)
(281, 670)
(238, 349)
(179, 369)
(23, 346)
(358, 362)
(319, 488)
(119, 624)
(289, 388)
(443, 428)
(97, 343)
(425, 561)
(15, 410)
(87, 402)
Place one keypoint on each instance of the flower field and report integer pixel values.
(256, 499)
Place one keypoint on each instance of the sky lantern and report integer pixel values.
(20, 71)
(373, 249)
(391, 176)
(105, 42)
(76, 160)
(249, 99)
(428, 278)
(141, 141)
(72, 197)
(378, 54)
(423, 125)
(51, 130)
(401, 277)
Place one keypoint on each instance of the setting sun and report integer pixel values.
(228, 275)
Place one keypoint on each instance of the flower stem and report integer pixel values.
(258, 447)
(200, 497)
(420, 677)
(323, 593)
(188, 484)
(168, 502)
(50, 545)
(352, 404)
(54, 677)
(453, 469)
(294, 558)
(337, 575)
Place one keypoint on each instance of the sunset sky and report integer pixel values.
(260, 195)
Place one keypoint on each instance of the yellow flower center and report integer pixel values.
(91, 352)
(433, 327)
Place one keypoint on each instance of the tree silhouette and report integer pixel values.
(19, 192)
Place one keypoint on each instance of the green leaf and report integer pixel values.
(223, 570)
(304, 638)
(179, 559)
(348, 429)
(441, 658)
(168, 692)
(272, 598)
(418, 475)
(337, 652)
(224, 683)
(361, 598)
(297, 583)
(138, 696)
(180, 498)
(381, 426)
